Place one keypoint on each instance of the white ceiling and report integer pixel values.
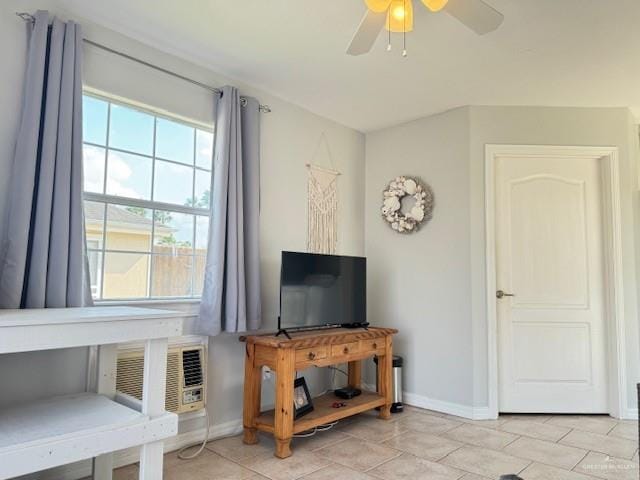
(547, 52)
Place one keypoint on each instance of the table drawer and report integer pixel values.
(311, 354)
(343, 349)
(372, 345)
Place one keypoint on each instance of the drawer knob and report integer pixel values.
(346, 350)
(311, 355)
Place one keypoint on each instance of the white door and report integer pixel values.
(549, 252)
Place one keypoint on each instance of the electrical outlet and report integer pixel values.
(266, 373)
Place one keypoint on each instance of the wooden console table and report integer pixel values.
(318, 348)
(40, 434)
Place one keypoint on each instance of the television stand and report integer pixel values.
(305, 349)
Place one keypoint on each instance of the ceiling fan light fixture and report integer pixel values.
(435, 5)
(400, 16)
(378, 6)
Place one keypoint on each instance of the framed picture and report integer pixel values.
(301, 399)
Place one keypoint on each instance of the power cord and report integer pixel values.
(333, 374)
(336, 369)
(181, 454)
(326, 426)
(314, 430)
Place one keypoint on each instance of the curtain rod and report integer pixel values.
(27, 17)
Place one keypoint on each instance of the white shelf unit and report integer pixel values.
(56, 431)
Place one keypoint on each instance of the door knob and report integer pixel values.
(500, 294)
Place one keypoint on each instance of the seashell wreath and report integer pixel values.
(421, 211)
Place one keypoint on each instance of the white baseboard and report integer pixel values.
(473, 413)
(420, 401)
(82, 469)
(459, 410)
(482, 413)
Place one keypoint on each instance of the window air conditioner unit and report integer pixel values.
(186, 372)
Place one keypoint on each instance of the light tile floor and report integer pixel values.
(420, 444)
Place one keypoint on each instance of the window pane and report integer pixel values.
(171, 275)
(174, 141)
(94, 120)
(202, 189)
(94, 161)
(173, 183)
(128, 228)
(95, 270)
(204, 149)
(94, 223)
(128, 175)
(131, 130)
(125, 275)
(198, 275)
(135, 252)
(202, 234)
(173, 233)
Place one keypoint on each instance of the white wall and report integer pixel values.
(419, 283)
(290, 138)
(431, 285)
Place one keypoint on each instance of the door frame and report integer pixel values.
(612, 242)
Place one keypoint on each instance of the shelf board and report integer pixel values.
(324, 413)
(56, 431)
(60, 316)
(48, 328)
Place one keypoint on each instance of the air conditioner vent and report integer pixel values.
(130, 375)
(185, 379)
(172, 396)
(192, 365)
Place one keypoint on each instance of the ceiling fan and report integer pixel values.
(397, 16)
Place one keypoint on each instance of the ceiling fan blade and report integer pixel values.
(475, 14)
(367, 33)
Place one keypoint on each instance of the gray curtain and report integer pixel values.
(231, 295)
(43, 256)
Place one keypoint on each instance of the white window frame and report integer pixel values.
(152, 205)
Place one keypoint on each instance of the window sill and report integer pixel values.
(159, 301)
(189, 305)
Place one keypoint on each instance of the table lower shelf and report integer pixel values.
(56, 431)
(324, 413)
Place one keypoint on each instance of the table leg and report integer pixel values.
(252, 392)
(354, 370)
(153, 403)
(385, 367)
(284, 411)
(102, 468)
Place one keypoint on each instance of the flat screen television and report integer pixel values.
(322, 290)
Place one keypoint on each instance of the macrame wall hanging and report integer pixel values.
(322, 206)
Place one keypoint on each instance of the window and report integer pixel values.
(147, 180)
